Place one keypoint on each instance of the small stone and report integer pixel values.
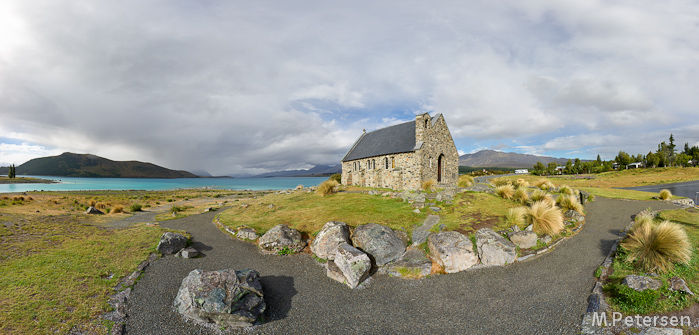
(187, 253)
(641, 283)
(279, 237)
(435, 209)
(416, 211)
(170, 243)
(418, 205)
(523, 239)
(678, 284)
(515, 228)
(413, 264)
(546, 239)
(529, 228)
(246, 233)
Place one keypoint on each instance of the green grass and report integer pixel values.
(58, 271)
(308, 212)
(472, 211)
(614, 193)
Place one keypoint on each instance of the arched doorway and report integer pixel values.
(440, 165)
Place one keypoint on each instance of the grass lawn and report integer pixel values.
(472, 211)
(624, 178)
(631, 302)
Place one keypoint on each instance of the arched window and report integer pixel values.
(373, 164)
(427, 123)
(386, 159)
(393, 162)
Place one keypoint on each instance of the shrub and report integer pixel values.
(100, 205)
(505, 191)
(92, 202)
(30, 198)
(521, 183)
(516, 216)
(336, 177)
(135, 208)
(538, 195)
(565, 189)
(665, 194)
(465, 180)
(118, 209)
(521, 195)
(18, 198)
(654, 247)
(591, 197)
(327, 187)
(429, 185)
(285, 251)
(546, 218)
(570, 202)
(501, 181)
(544, 184)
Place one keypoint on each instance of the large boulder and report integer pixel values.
(413, 264)
(380, 242)
(330, 236)
(226, 297)
(452, 250)
(93, 210)
(641, 283)
(280, 236)
(353, 263)
(171, 243)
(524, 239)
(494, 249)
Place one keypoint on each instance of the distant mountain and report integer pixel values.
(79, 165)
(316, 171)
(492, 158)
(202, 173)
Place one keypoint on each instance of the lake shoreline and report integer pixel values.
(25, 180)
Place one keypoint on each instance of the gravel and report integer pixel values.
(545, 295)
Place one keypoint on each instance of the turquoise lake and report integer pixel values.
(82, 184)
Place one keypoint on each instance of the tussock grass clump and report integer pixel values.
(501, 181)
(118, 209)
(546, 218)
(570, 202)
(92, 202)
(665, 194)
(505, 191)
(565, 189)
(521, 183)
(544, 184)
(465, 181)
(521, 195)
(538, 195)
(429, 185)
(517, 216)
(656, 247)
(135, 208)
(327, 187)
(101, 205)
(18, 198)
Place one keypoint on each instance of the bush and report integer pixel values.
(544, 184)
(135, 208)
(538, 195)
(118, 209)
(565, 189)
(336, 177)
(652, 247)
(546, 218)
(521, 195)
(505, 191)
(101, 205)
(465, 181)
(92, 202)
(327, 187)
(429, 185)
(570, 202)
(501, 181)
(665, 194)
(521, 183)
(516, 216)
(591, 197)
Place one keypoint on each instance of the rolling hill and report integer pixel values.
(85, 165)
(491, 158)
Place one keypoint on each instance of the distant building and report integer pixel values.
(402, 156)
(521, 171)
(635, 165)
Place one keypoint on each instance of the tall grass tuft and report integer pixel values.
(521, 183)
(429, 185)
(92, 202)
(500, 181)
(546, 218)
(521, 195)
(665, 194)
(505, 191)
(465, 180)
(336, 177)
(657, 247)
(538, 195)
(565, 189)
(516, 217)
(327, 187)
(544, 184)
(570, 202)
(118, 209)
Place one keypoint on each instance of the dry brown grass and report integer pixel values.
(570, 202)
(521, 183)
(565, 189)
(517, 216)
(465, 181)
(521, 195)
(654, 247)
(327, 187)
(118, 209)
(501, 181)
(665, 194)
(101, 205)
(429, 185)
(544, 184)
(505, 191)
(547, 219)
(92, 202)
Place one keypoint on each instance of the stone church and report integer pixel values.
(402, 156)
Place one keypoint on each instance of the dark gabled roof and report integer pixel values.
(389, 140)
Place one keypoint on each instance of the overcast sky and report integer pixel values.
(235, 87)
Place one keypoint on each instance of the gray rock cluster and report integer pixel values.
(493, 249)
(641, 283)
(452, 250)
(280, 237)
(226, 297)
(174, 243)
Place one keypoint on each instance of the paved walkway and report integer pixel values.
(543, 296)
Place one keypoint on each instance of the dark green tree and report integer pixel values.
(599, 160)
(652, 160)
(551, 168)
(623, 159)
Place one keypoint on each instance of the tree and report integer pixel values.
(577, 168)
(14, 171)
(599, 160)
(9, 173)
(623, 158)
(652, 160)
(569, 167)
(551, 168)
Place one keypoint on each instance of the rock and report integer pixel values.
(678, 284)
(418, 205)
(403, 236)
(686, 202)
(448, 202)
(645, 212)
(452, 250)
(298, 188)
(334, 273)
(226, 297)
(641, 283)
(353, 263)
(210, 209)
(661, 331)
(523, 239)
(171, 243)
(546, 239)
(444, 197)
(413, 264)
(93, 210)
(435, 209)
(330, 236)
(281, 236)
(271, 206)
(529, 228)
(386, 194)
(416, 211)
(574, 216)
(187, 253)
(494, 249)
(515, 228)
(379, 241)
(246, 234)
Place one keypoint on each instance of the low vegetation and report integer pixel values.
(429, 185)
(656, 247)
(517, 217)
(505, 191)
(665, 194)
(465, 180)
(547, 219)
(327, 187)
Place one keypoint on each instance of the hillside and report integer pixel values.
(316, 171)
(491, 158)
(78, 165)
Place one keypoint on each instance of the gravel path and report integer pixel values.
(544, 296)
